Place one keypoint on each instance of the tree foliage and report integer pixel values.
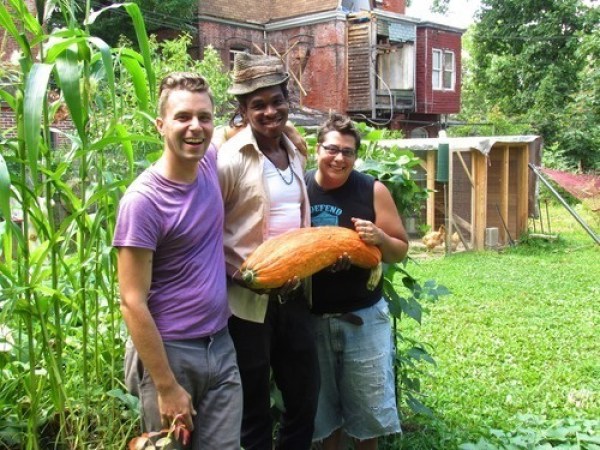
(113, 24)
(532, 62)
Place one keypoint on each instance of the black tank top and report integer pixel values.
(343, 291)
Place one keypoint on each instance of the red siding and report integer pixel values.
(430, 101)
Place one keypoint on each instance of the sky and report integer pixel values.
(460, 12)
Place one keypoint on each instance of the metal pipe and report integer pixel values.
(565, 204)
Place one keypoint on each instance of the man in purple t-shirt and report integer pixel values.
(180, 360)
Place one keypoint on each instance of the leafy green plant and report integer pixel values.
(395, 168)
(411, 352)
(57, 271)
(537, 432)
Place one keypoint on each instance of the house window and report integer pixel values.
(232, 52)
(395, 67)
(443, 71)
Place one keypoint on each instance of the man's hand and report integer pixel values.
(290, 285)
(343, 263)
(175, 401)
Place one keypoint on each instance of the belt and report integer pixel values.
(346, 317)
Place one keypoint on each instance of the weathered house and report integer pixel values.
(363, 57)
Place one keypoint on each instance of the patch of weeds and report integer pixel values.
(527, 243)
(536, 432)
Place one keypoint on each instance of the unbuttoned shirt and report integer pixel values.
(247, 205)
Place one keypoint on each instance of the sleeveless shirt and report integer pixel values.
(346, 290)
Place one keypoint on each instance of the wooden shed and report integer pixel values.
(489, 185)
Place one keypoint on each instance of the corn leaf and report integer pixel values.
(9, 99)
(112, 140)
(7, 23)
(94, 15)
(7, 243)
(57, 46)
(67, 71)
(36, 86)
(138, 78)
(4, 190)
(107, 60)
(127, 147)
(31, 23)
(140, 31)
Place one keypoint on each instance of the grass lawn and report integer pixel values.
(520, 334)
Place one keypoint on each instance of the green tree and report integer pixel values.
(158, 14)
(527, 63)
(581, 118)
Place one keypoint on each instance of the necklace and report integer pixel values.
(286, 182)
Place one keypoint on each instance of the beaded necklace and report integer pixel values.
(286, 182)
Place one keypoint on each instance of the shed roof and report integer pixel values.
(459, 144)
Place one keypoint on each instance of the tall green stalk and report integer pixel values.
(59, 288)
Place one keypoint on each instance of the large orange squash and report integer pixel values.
(303, 252)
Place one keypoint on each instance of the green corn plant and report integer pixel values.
(57, 272)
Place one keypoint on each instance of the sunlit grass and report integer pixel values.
(519, 334)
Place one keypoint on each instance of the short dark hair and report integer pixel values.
(341, 124)
(182, 81)
(284, 89)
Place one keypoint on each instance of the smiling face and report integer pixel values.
(186, 125)
(334, 170)
(266, 110)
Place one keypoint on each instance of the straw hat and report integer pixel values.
(253, 72)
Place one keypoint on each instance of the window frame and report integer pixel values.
(439, 72)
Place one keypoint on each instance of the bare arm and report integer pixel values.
(296, 138)
(387, 232)
(135, 273)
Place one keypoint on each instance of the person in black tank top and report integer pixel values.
(351, 321)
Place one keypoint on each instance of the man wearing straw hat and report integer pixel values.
(261, 177)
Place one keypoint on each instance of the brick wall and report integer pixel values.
(225, 37)
(263, 11)
(317, 57)
(8, 130)
(7, 120)
(396, 6)
(7, 44)
(281, 9)
(319, 62)
(428, 100)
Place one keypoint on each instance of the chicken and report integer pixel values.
(454, 241)
(434, 238)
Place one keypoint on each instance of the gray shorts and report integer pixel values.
(207, 369)
(357, 379)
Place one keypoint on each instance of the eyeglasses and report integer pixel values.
(333, 150)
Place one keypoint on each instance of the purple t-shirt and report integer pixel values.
(183, 225)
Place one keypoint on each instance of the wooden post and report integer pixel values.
(504, 178)
(450, 207)
(479, 205)
(430, 168)
(522, 190)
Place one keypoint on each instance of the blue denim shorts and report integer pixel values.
(357, 378)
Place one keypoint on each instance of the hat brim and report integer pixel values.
(250, 86)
